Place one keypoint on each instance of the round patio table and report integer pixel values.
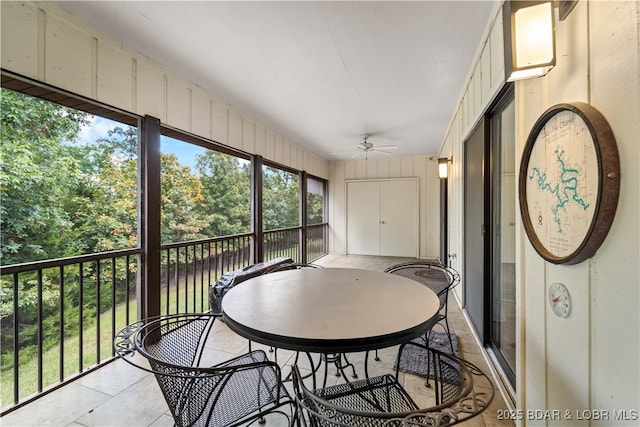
(330, 310)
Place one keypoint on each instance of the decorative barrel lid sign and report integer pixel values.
(569, 183)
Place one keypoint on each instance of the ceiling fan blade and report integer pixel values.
(380, 151)
(387, 147)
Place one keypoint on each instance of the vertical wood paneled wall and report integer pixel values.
(43, 42)
(587, 362)
(484, 81)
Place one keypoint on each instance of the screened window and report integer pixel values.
(281, 200)
(205, 193)
(68, 180)
(315, 201)
(69, 187)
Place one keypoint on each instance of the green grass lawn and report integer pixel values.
(28, 371)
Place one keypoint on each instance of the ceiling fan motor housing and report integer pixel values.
(366, 146)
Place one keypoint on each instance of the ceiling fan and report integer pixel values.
(367, 147)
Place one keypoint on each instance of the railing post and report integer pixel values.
(148, 290)
(303, 216)
(256, 208)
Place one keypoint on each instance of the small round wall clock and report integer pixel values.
(559, 299)
(569, 183)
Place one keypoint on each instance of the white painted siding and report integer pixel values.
(614, 287)
(150, 90)
(43, 42)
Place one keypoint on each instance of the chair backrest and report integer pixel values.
(371, 402)
(173, 346)
(462, 391)
(293, 266)
(360, 403)
(175, 340)
(439, 278)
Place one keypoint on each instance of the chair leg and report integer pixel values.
(426, 346)
(446, 324)
(398, 357)
(427, 337)
(436, 375)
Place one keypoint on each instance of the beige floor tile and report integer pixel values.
(59, 408)
(138, 405)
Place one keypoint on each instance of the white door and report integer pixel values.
(363, 218)
(398, 218)
(382, 217)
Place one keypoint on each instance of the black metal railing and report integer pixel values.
(282, 242)
(317, 238)
(189, 268)
(286, 242)
(59, 316)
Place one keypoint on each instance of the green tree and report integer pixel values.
(182, 202)
(37, 168)
(103, 204)
(60, 197)
(315, 208)
(280, 199)
(226, 190)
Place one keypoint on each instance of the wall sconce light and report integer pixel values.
(529, 34)
(443, 168)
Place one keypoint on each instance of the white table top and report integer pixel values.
(330, 310)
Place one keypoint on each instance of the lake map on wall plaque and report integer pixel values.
(569, 182)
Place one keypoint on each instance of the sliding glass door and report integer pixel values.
(502, 334)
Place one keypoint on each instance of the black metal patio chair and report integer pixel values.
(239, 391)
(382, 401)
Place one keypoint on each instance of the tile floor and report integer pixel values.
(122, 395)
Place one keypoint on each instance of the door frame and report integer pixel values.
(488, 175)
(505, 96)
(485, 275)
(444, 221)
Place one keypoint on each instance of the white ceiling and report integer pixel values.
(320, 73)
